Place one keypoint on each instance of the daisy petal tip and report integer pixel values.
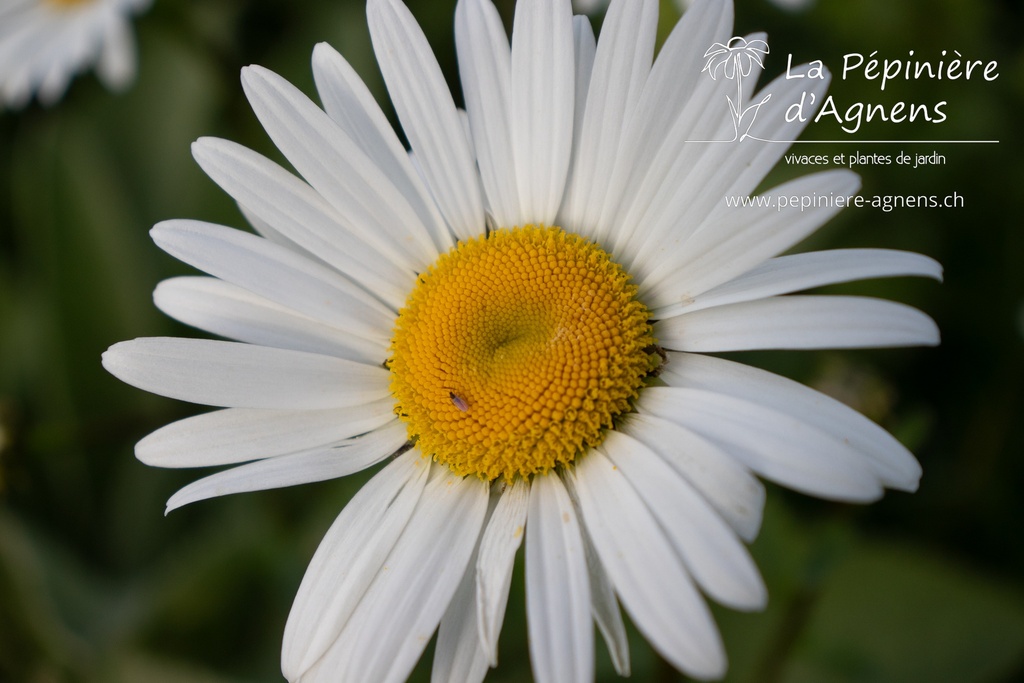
(908, 485)
(324, 54)
(115, 358)
(162, 230)
(255, 76)
(712, 668)
(759, 601)
(847, 181)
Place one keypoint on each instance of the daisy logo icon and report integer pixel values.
(735, 61)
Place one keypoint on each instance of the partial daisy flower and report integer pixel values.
(516, 323)
(44, 43)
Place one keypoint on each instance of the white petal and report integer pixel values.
(229, 311)
(459, 655)
(797, 272)
(773, 443)
(734, 492)
(234, 435)
(348, 102)
(697, 187)
(266, 231)
(799, 322)
(276, 273)
(117, 58)
(557, 588)
(716, 558)
(339, 170)
(585, 49)
(542, 104)
(498, 546)
(485, 68)
(740, 240)
(890, 459)
(772, 124)
(621, 64)
(306, 467)
(295, 210)
(678, 106)
(648, 575)
(233, 375)
(604, 607)
(424, 106)
(402, 606)
(348, 559)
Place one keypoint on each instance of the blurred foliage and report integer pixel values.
(96, 585)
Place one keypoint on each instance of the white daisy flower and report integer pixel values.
(519, 309)
(44, 43)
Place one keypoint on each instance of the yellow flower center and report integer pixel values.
(516, 351)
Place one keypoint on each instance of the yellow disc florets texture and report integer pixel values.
(516, 351)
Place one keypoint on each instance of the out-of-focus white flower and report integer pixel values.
(44, 43)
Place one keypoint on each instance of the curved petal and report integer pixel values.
(773, 443)
(429, 119)
(740, 240)
(799, 322)
(349, 557)
(772, 125)
(501, 539)
(296, 211)
(233, 375)
(700, 178)
(735, 493)
(229, 311)
(403, 605)
(459, 655)
(234, 435)
(268, 232)
(649, 577)
(557, 588)
(786, 274)
(890, 459)
(276, 273)
(348, 102)
(319, 464)
(339, 170)
(604, 607)
(679, 105)
(715, 557)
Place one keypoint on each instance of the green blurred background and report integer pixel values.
(96, 585)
